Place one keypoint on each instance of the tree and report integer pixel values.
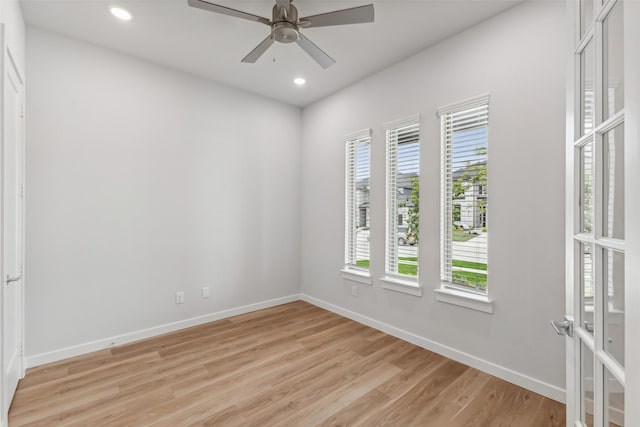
(413, 221)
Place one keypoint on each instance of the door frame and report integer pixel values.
(7, 60)
(632, 205)
(572, 409)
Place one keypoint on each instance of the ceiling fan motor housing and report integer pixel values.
(285, 28)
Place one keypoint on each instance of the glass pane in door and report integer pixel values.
(586, 386)
(613, 279)
(613, 183)
(613, 43)
(587, 288)
(586, 89)
(586, 188)
(614, 401)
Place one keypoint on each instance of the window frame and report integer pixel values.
(393, 280)
(448, 291)
(351, 210)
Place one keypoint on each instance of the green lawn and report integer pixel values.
(408, 269)
(468, 264)
(462, 236)
(363, 263)
(469, 278)
(466, 278)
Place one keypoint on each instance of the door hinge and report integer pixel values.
(21, 113)
(21, 190)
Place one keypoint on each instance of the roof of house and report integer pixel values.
(470, 170)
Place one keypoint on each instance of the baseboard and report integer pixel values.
(78, 350)
(525, 381)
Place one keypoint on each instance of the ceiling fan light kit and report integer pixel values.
(285, 26)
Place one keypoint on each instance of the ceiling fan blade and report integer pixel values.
(354, 15)
(256, 53)
(324, 60)
(205, 5)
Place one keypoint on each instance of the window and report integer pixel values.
(464, 232)
(357, 208)
(456, 212)
(403, 197)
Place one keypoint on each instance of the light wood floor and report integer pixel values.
(291, 365)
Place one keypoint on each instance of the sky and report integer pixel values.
(465, 146)
(363, 155)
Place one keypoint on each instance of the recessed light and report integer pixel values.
(299, 81)
(120, 13)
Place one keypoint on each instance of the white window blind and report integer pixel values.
(403, 196)
(464, 232)
(357, 208)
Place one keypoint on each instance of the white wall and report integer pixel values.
(518, 58)
(142, 181)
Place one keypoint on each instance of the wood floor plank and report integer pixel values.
(453, 399)
(409, 377)
(549, 413)
(332, 384)
(333, 401)
(232, 387)
(356, 411)
(498, 404)
(402, 411)
(77, 384)
(290, 365)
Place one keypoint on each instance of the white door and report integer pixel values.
(598, 304)
(12, 230)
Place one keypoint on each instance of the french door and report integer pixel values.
(599, 190)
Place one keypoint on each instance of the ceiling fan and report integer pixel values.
(285, 26)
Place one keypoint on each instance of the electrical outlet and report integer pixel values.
(180, 297)
(205, 292)
(354, 290)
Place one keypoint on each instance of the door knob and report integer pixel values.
(563, 327)
(588, 326)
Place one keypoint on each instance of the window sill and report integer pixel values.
(359, 276)
(464, 299)
(404, 286)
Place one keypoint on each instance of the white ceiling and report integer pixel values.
(171, 33)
